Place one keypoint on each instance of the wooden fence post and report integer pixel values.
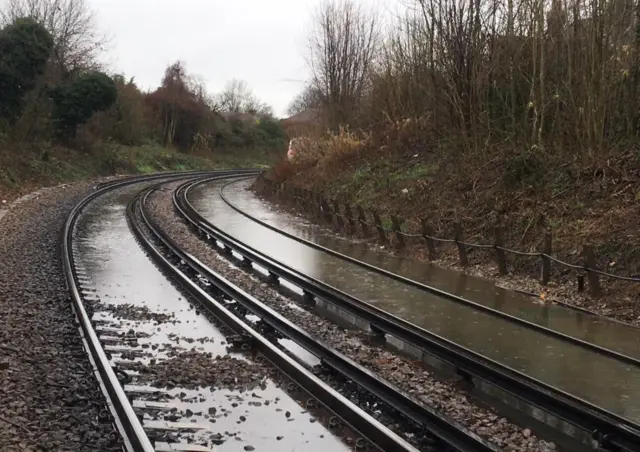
(339, 221)
(545, 273)
(310, 206)
(363, 221)
(349, 214)
(295, 194)
(317, 206)
(427, 234)
(258, 185)
(379, 227)
(326, 210)
(589, 265)
(305, 200)
(397, 229)
(462, 249)
(500, 255)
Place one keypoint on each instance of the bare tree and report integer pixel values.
(342, 45)
(77, 40)
(237, 97)
(308, 98)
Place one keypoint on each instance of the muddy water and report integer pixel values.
(601, 380)
(120, 273)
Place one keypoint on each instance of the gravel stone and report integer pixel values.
(402, 372)
(49, 397)
(194, 369)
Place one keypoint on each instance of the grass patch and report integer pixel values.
(25, 167)
(590, 200)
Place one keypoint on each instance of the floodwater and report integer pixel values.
(119, 273)
(606, 333)
(602, 380)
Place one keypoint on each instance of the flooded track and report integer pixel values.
(591, 328)
(192, 390)
(194, 372)
(385, 404)
(601, 380)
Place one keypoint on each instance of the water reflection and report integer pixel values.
(599, 379)
(597, 330)
(122, 273)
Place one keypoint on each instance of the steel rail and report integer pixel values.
(127, 423)
(379, 435)
(609, 429)
(441, 293)
(445, 429)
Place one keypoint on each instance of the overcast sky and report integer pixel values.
(260, 41)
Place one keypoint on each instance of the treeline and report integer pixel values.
(548, 77)
(53, 89)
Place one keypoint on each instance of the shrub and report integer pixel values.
(524, 169)
(125, 121)
(74, 103)
(25, 47)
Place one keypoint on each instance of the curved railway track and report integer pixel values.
(232, 307)
(430, 289)
(442, 434)
(124, 416)
(447, 435)
(608, 430)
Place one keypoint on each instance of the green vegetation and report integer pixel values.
(24, 49)
(76, 102)
(51, 165)
(64, 117)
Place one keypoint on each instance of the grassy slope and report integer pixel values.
(583, 201)
(28, 167)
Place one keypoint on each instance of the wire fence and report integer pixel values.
(344, 220)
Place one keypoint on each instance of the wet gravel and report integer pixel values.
(402, 372)
(136, 313)
(218, 387)
(193, 369)
(49, 397)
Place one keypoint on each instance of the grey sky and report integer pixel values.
(260, 41)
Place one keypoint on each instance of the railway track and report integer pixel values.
(604, 350)
(251, 325)
(123, 414)
(115, 353)
(442, 433)
(607, 430)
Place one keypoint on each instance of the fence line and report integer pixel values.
(329, 211)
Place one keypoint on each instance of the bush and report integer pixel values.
(331, 147)
(524, 169)
(125, 122)
(25, 47)
(75, 102)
